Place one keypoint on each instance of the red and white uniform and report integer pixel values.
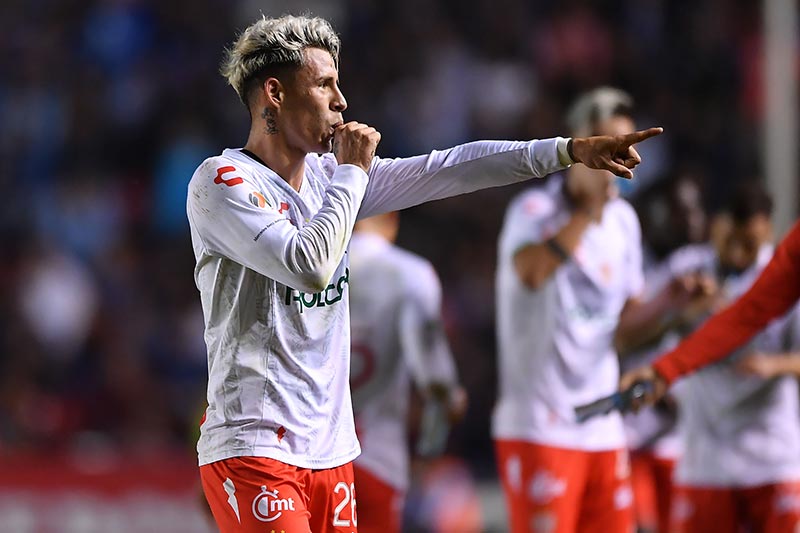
(555, 343)
(738, 430)
(556, 352)
(649, 429)
(397, 336)
(651, 432)
(773, 506)
(776, 290)
(273, 277)
(741, 434)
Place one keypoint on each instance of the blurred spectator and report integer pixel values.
(58, 300)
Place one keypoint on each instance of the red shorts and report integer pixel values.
(651, 478)
(767, 509)
(260, 495)
(558, 490)
(380, 506)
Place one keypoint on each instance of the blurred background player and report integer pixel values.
(569, 268)
(774, 292)
(740, 466)
(397, 338)
(673, 215)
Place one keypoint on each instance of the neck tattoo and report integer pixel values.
(269, 116)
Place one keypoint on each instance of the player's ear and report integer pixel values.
(274, 92)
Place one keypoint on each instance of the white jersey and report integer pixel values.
(739, 430)
(652, 428)
(556, 343)
(273, 277)
(395, 314)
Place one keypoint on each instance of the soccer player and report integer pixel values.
(740, 467)
(569, 273)
(775, 291)
(270, 226)
(672, 216)
(397, 336)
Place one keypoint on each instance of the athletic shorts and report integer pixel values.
(559, 490)
(651, 478)
(773, 508)
(380, 507)
(260, 495)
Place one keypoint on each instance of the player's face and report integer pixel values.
(313, 104)
(688, 217)
(740, 248)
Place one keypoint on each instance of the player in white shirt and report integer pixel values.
(569, 264)
(672, 216)
(397, 336)
(270, 226)
(741, 433)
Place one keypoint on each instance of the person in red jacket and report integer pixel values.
(770, 297)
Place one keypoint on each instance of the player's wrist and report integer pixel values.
(664, 371)
(564, 149)
(555, 247)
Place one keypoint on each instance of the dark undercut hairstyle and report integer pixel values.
(749, 199)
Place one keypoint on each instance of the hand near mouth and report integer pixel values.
(355, 143)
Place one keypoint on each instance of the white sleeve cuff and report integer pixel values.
(563, 153)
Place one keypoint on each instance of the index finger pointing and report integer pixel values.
(639, 136)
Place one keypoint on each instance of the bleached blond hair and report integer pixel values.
(271, 44)
(596, 106)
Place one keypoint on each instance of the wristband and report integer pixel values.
(553, 245)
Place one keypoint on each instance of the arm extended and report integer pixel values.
(400, 183)
(773, 293)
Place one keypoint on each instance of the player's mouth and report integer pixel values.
(332, 132)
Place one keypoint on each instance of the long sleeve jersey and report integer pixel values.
(273, 275)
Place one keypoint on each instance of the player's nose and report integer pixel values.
(339, 102)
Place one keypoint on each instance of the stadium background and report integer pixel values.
(106, 107)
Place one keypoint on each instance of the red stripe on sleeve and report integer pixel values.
(771, 296)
